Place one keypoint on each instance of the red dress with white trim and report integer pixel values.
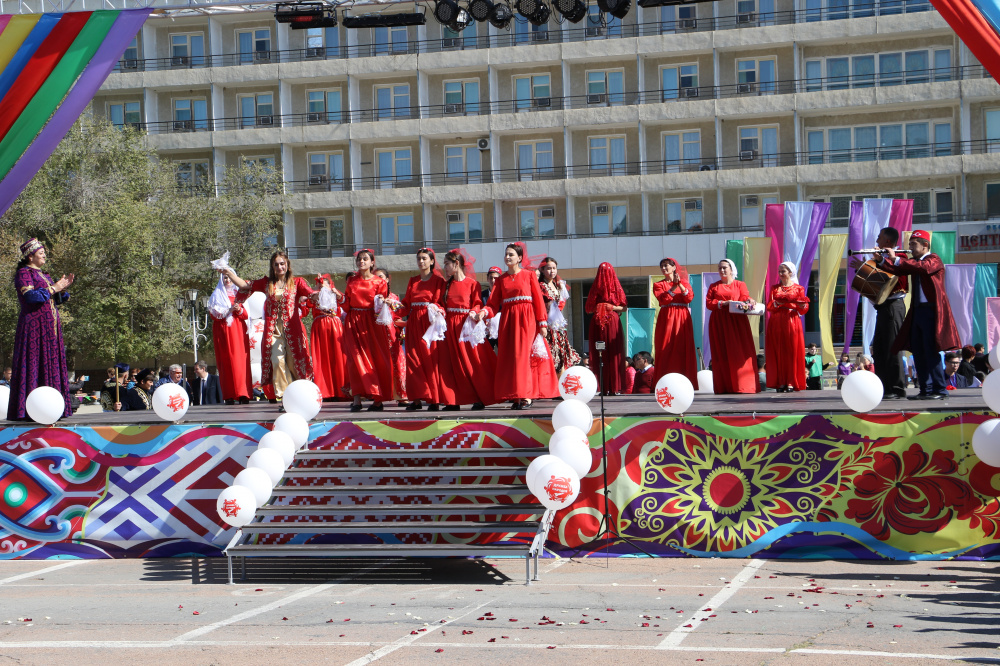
(232, 354)
(365, 343)
(326, 339)
(467, 370)
(423, 375)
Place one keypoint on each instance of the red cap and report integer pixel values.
(922, 235)
(494, 269)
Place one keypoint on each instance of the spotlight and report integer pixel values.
(501, 15)
(617, 8)
(461, 21)
(446, 11)
(527, 7)
(480, 10)
(574, 11)
(541, 17)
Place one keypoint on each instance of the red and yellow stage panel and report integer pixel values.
(899, 486)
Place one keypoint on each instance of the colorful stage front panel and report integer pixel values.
(847, 486)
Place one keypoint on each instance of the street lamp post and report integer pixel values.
(194, 327)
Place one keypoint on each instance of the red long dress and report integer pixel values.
(397, 352)
(365, 343)
(606, 325)
(673, 341)
(423, 372)
(326, 340)
(520, 376)
(785, 364)
(232, 355)
(283, 306)
(467, 371)
(734, 357)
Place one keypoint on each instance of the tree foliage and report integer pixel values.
(110, 211)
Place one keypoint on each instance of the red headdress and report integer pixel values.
(470, 262)
(606, 288)
(529, 262)
(369, 251)
(681, 271)
(437, 269)
(323, 276)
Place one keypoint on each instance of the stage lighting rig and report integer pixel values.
(617, 8)
(536, 11)
(446, 11)
(384, 20)
(480, 10)
(501, 15)
(573, 11)
(304, 15)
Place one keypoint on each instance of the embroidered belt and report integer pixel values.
(515, 299)
(674, 305)
(420, 305)
(459, 310)
(368, 309)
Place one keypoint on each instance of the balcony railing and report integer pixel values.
(586, 33)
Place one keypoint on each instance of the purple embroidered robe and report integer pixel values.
(39, 352)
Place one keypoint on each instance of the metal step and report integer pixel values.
(399, 509)
(406, 490)
(402, 527)
(465, 470)
(380, 550)
(443, 452)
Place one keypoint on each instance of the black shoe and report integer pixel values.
(449, 408)
(414, 406)
(273, 401)
(890, 396)
(230, 403)
(477, 406)
(244, 401)
(433, 407)
(934, 396)
(919, 396)
(355, 408)
(516, 405)
(376, 407)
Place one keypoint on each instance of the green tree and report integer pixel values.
(135, 235)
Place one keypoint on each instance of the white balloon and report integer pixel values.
(255, 305)
(256, 372)
(991, 391)
(578, 383)
(986, 442)
(270, 461)
(558, 485)
(674, 392)
(706, 383)
(295, 426)
(170, 402)
(535, 467)
(280, 442)
(302, 397)
(44, 405)
(862, 391)
(256, 481)
(571, 445)
(572, 413)
(994, 357)
(236, 505)
(4, 399)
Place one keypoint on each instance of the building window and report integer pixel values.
(537, 221)
(397, 232)
(322, 43)
(683, 215)
(392, 101)
(125, 113)
(390, 39)
(754, 12)
(992, 200)
(607, 154)
(395, 167)
(752, 209)
(190, 114)
(534, 160)
(601, 25)
(991, 121)
(187, 50)
(266, 161)
(609, 218)
(759, 143)
(681, 151)
(463, 163)
(895, 142)
(680, 82)
(324, 106)
(461, 97)
(606, 86)
(532, 92)
(525, 31)
(254, 45)
(326, 170)
(467, 39)
(464, 225)
(192, 174)
(257, 110)
(678, 18)
(130, 58)
(756, 75)
(326, 232)
(928, 206)
(894, 69)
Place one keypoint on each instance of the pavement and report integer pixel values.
(456, 611)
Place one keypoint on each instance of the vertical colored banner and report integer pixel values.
(986, 287)
(697, 309)
(798, 217)
(820, 214)
(992, 322)
(943, 245)
(639, 331)
(734, 253)
(755, 255)
(774, 229)
(831, 252)
(707, 280)
(959, 282)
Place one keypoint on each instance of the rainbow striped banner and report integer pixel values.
(51, 66)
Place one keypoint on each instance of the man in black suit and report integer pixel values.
(206, 389)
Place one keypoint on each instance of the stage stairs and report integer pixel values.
(439, 501)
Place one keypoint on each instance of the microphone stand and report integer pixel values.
(607, 531)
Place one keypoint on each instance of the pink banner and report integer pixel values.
(992, 322)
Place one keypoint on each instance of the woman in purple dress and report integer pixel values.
(39, 352)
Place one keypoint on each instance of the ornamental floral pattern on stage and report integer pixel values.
(899, 486)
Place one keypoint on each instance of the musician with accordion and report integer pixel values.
(929, 327)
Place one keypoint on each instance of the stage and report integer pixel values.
(767, 475)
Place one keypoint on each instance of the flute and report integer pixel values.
(875, 250)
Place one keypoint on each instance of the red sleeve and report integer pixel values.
(476, 297)
(771, 306)
(743, 292)
(303, 287)
(539, 304)
(347, 294)
(929, 266)
(801, 304)
(712, 297)
(661, 292)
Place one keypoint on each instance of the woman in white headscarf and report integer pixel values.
(734, 355)
(784, 343)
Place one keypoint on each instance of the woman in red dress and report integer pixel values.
(326, 338)
(397, 336)
(673, 342)
(467, 369)
(785, 365)
(517, 296)
(554, 293)
(734, 356)
(284, 331)
(605, 302)
(365, 342)
(423, 292)
(232, 350)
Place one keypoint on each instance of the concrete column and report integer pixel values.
(716, 79)
(566, 89)
(640, 74)
(423, 90)
(287, 163)
(359, 236)
(214, 37)
(428, 226)
(283, 38)
(355, 159)
(289, 229)
(425, 160)
(497, 219)
(353, 94)
(570, 215)
(796, 126)
(645, 211)
(218, 111)
(643, 157)
(285, 100)
(796, 61)
(567, 147)
(219, 167)
(150, 110)
(147, 41)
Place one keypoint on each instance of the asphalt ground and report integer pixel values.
(593, 611)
